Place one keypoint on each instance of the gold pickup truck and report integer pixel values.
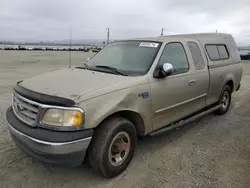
(131, 88)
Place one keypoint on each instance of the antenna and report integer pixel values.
(108, 34)
(162, 31)
(70, 43)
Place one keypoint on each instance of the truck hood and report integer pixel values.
(71, 83)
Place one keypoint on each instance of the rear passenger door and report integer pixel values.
(199, 60)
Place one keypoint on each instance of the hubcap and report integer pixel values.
(119, 148)
(225, 100)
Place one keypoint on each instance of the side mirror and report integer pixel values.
(164, 70)
(167, 68)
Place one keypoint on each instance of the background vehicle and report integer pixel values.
(96, 49)
(130, 88)
(85, 49)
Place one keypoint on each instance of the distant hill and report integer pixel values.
(244, 47)
(79, 41)
(58, 42)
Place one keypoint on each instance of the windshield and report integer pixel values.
(130, 57)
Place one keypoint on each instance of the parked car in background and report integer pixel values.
(96, 49)
(131, 88)
(22, 47)
(37, 48)
(8, 48)
(86, 49)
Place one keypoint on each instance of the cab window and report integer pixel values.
(196, 55)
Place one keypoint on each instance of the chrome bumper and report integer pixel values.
(51, 147)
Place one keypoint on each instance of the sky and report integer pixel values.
(43, 20)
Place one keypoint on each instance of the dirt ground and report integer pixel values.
(212, 152)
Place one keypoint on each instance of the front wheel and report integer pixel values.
(112, 146)
(225, 100)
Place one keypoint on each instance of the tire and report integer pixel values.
(225, 100)
(108, 143)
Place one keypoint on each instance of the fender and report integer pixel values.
(132, 100)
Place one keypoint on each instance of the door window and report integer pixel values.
(175, 54)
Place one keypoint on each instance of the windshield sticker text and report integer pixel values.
(149, 44)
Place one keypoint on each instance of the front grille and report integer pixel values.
(25, 109)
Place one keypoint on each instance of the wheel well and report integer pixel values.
(134, 117)
(230, 84)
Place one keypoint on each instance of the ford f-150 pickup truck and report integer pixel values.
(143, 86)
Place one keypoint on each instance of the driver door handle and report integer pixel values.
(192, 82)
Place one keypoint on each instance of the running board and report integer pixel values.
(185, 121)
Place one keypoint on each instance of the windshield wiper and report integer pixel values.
(112, 69)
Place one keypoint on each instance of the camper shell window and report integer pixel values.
(217, 51)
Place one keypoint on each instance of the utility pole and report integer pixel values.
(162, 31)
(108, 34)
(70, 43)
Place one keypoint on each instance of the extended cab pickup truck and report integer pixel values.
(131, 88)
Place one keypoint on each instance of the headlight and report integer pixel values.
(67, 118)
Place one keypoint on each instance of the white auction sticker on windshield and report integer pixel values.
(149, 44)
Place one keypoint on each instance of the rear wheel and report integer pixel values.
(112, 147)
(225, 100)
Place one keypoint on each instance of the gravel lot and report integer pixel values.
(212, 152)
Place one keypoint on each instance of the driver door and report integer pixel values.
(177, 95)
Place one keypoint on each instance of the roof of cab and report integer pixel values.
(199, 36)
